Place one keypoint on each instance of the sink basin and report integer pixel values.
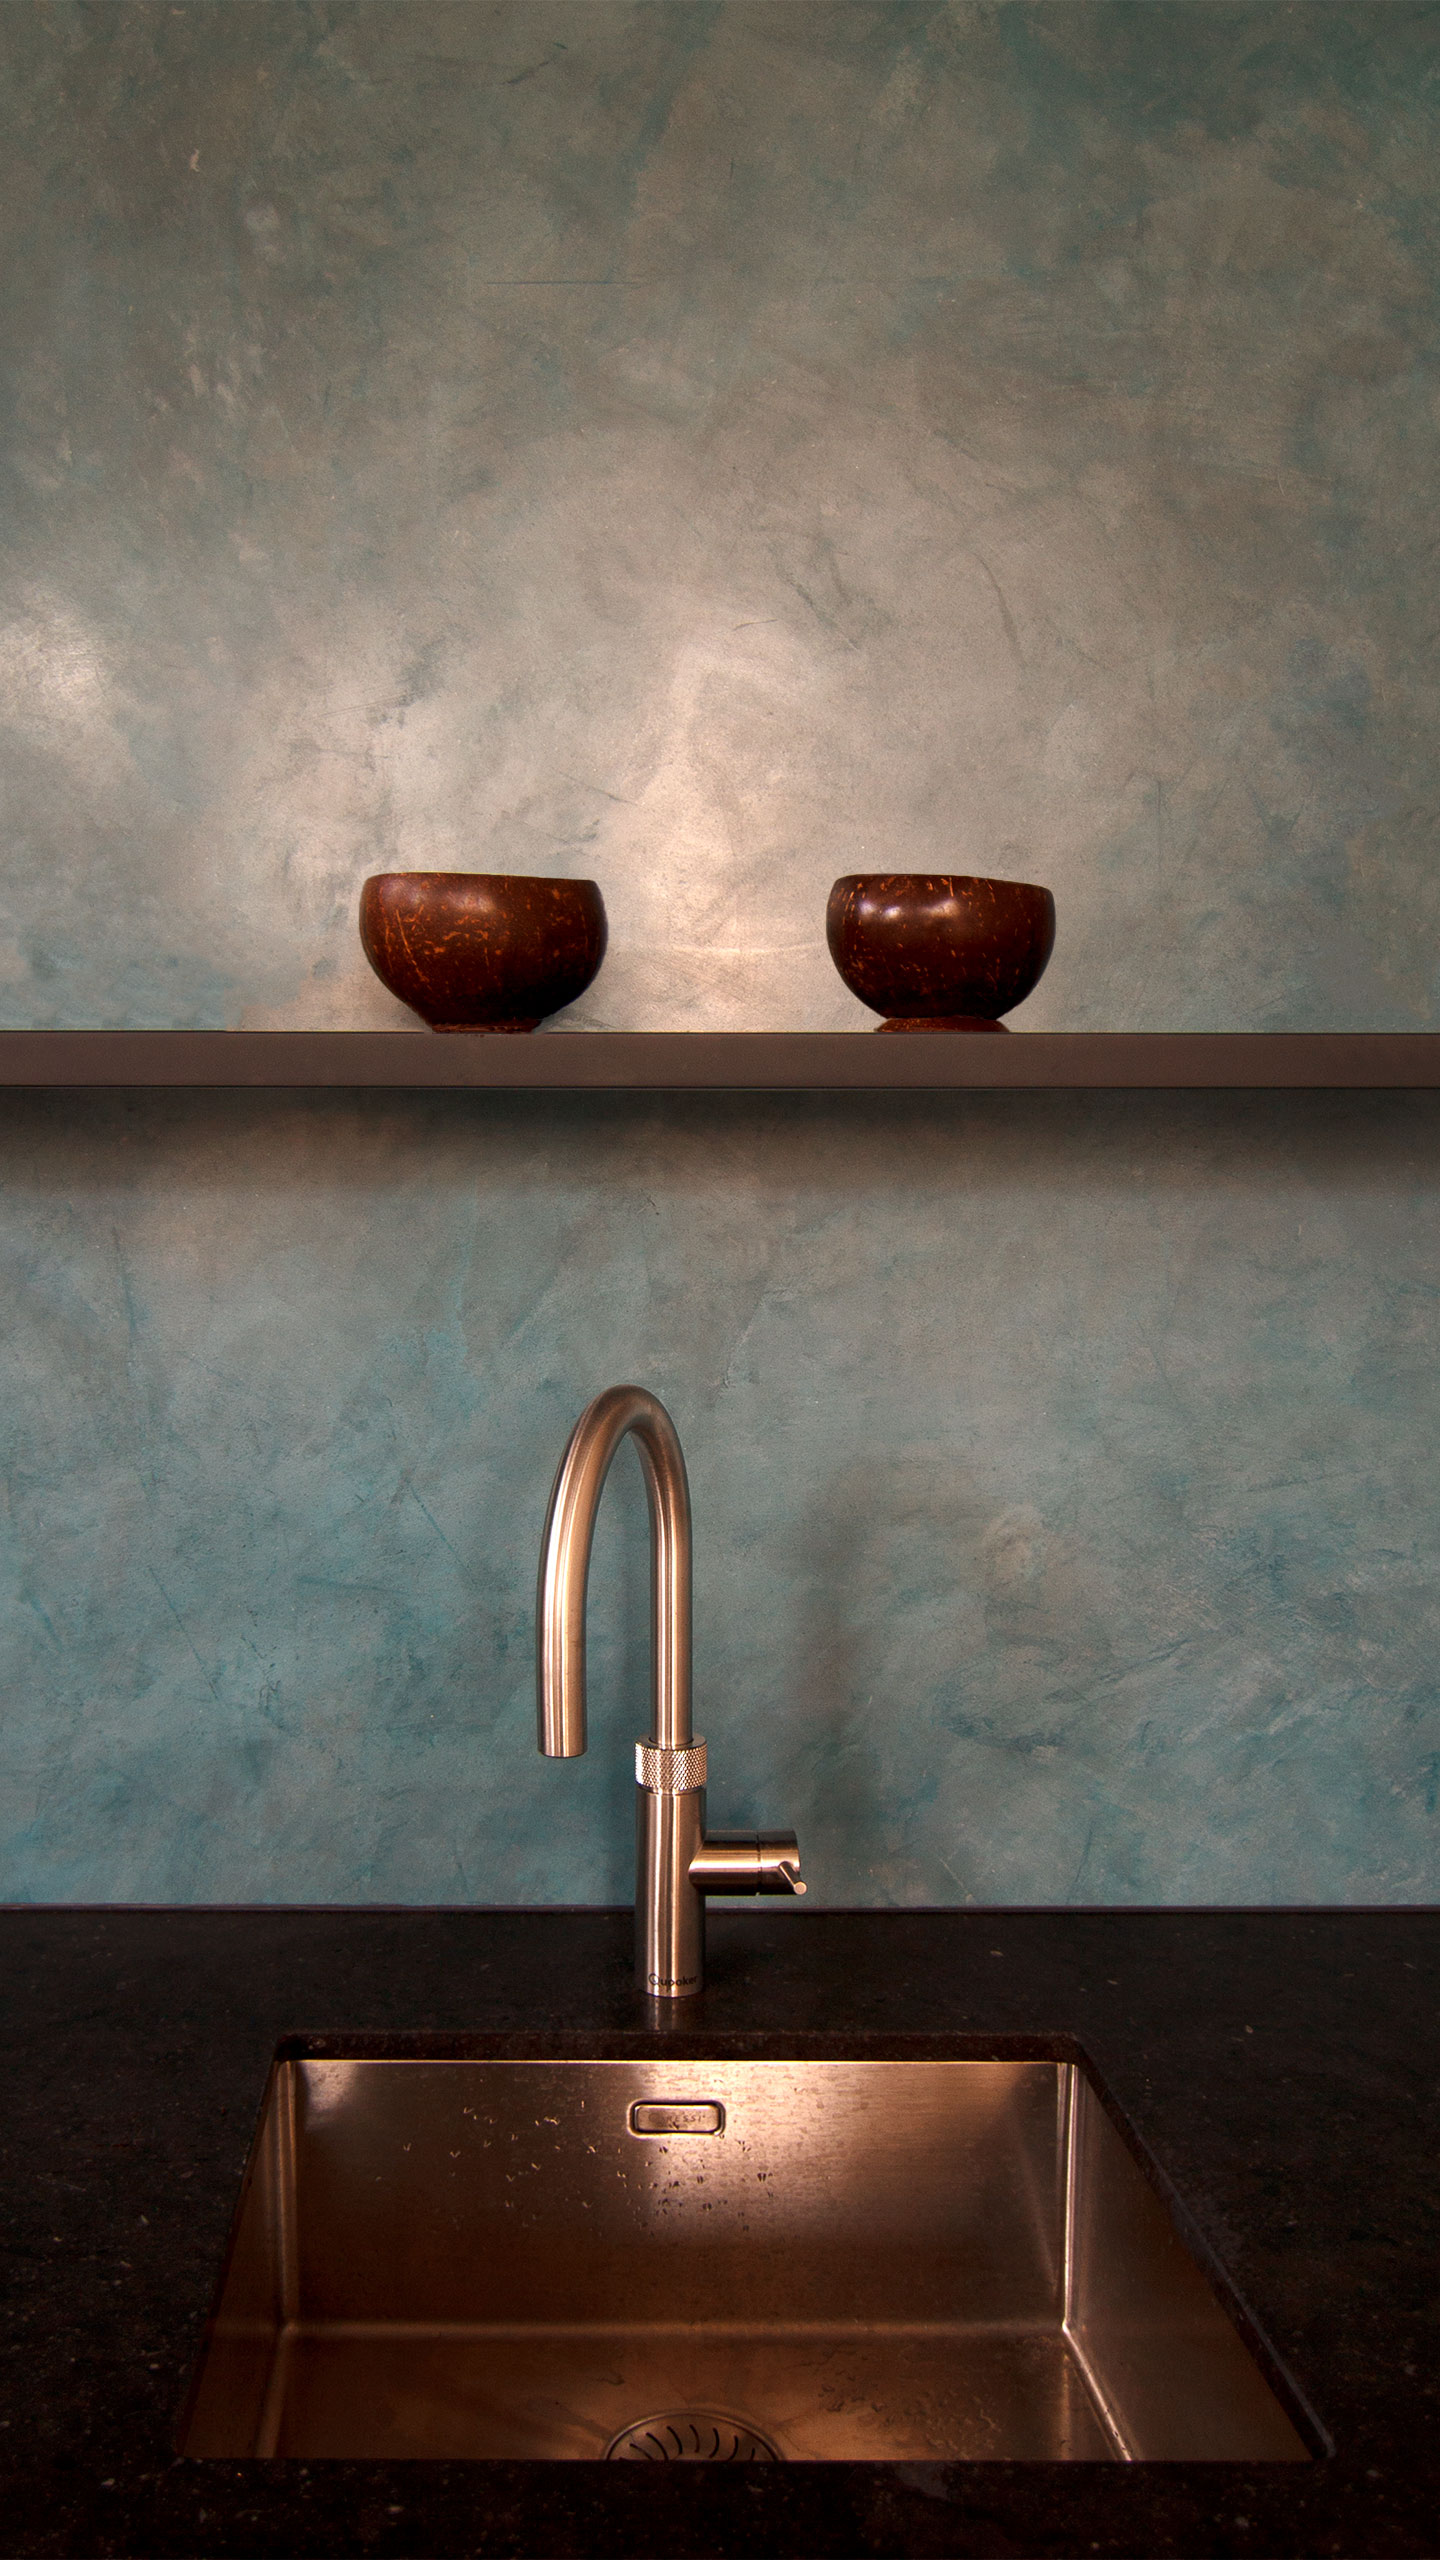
(813, 2261)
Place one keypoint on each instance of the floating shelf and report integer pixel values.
(730, 1061)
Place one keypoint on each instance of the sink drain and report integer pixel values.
(691, 2435)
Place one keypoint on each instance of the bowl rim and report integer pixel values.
(489, 879)
(940, 879)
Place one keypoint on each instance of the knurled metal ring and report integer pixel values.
(669, 1773)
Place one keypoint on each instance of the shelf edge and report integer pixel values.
(722, 1061)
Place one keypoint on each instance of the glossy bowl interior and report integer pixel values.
(482, 950)
(939, 950)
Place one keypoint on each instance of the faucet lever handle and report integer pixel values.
(747, 1862)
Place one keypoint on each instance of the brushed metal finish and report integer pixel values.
(879, 2261)
(565, 1570)
(676, 2115)
(747, 1862)
(691, 2435)
(669, 1910)
(676, 1864)
(670, 1773)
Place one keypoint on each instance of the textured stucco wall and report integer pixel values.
(716, 444)
(1064, 1480)
(712, 446)
(1064, 1488)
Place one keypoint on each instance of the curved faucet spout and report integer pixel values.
(565, 1570)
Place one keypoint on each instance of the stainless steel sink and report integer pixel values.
(883, 2261)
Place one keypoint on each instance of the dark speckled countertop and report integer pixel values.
(1281, 2067)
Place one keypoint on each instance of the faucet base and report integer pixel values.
(677, 1862)
(669, 1912)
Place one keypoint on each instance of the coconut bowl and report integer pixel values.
(939, 951)
(482, 950)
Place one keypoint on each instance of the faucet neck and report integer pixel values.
(565, 1570)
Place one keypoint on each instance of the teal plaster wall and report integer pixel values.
(712, 446)
(1063, 1471)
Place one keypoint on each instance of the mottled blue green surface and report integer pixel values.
(1064, 1478)
(714, 445)
(710, 446)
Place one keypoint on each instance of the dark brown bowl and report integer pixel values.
(482, 950)
(941, 952)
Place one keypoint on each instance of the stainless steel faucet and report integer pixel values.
(677, 1862)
